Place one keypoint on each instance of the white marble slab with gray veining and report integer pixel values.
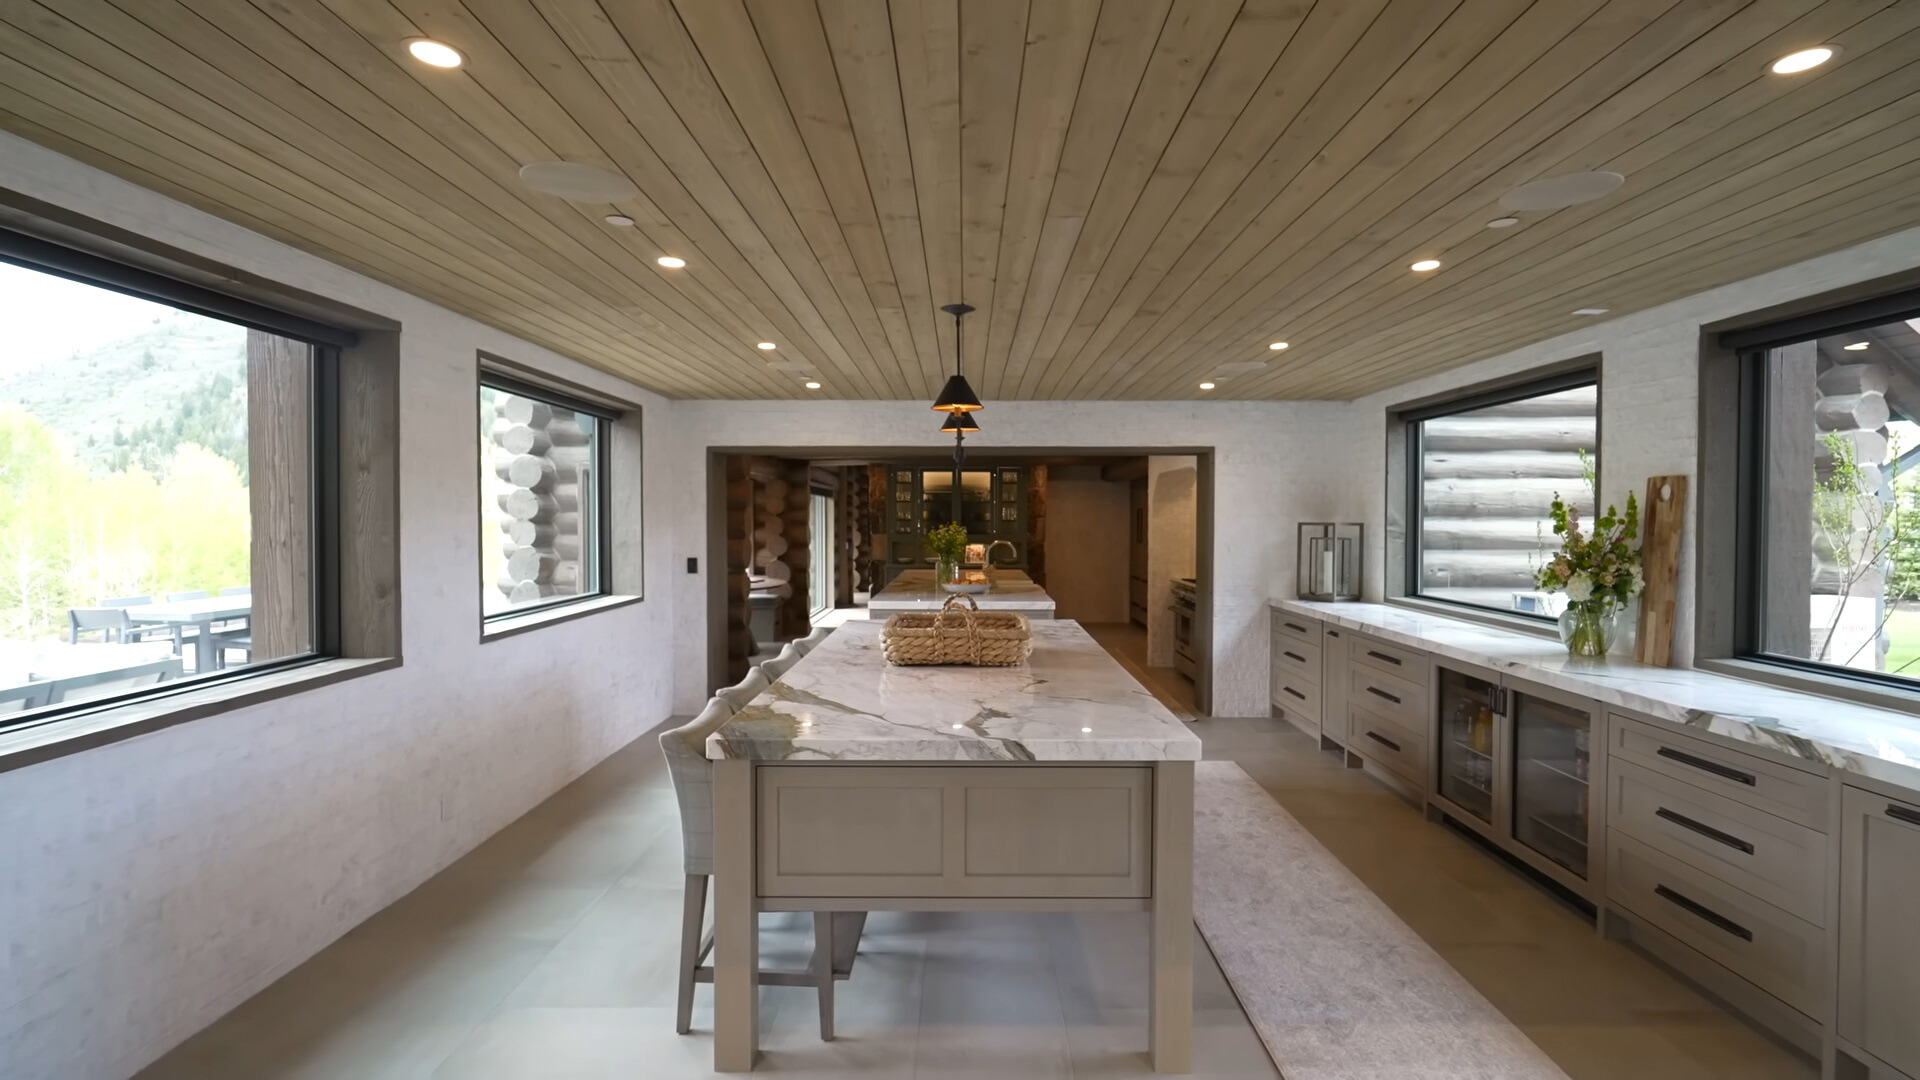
(914, 590)
(1070, 702)
(1880, 743)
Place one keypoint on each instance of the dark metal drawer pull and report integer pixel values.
(1333, 633)
(1377, 692)
(1295, 627)
(1294, 656)
(1294, 692)
(1394, 660)
(1705, 830)
(1704, 912)
(1384, 741)
(1901, 813)
(1706, 765)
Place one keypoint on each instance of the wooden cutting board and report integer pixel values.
(1666, 507)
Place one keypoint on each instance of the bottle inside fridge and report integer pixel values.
(1467, 742)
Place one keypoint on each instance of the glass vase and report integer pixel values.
(1587, 630)
(946, 572)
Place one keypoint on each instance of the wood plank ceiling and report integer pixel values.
(1136, 194)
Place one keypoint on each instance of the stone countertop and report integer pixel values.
(1071, 702)
(914, 590)
(1840, 734)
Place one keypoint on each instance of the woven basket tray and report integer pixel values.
(960, 633)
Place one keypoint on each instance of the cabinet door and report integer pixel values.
(1335, 662)
(1879, 909)
(1468, 734)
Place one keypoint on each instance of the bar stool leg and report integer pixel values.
(823, 969)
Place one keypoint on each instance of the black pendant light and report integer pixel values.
(957, 399)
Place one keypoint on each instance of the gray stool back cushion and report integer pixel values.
(745, 690)
(686, 750)
(811, 641)
(781, 664)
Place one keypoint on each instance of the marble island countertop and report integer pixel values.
(914, 590)
(1879, 743)
(1071, 702)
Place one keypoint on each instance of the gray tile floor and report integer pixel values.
(548, 952)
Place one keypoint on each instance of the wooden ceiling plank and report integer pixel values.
(1345, 256)
(861, 36)
(794, 42)
(709, 63)
(746, 240)
(1058, 38)
(1323, 61)
(1189, 39)
(926, 46)
(1123, 41)
(349, 247)
(1536, 55)
(993, 38)
(297, 174)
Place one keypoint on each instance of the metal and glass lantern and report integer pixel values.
(1329, 556)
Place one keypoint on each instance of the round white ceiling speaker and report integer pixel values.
(577, 182)
(1560, 192)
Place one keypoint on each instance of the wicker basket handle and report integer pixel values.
(973, 625)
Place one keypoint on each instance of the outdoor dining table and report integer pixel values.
(202, 614)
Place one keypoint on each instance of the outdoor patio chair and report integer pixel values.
(111, 623)
(26, 696)
(102, 683)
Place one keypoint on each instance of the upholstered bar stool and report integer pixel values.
(737, 695)
(781, 664)
(685, 748)
(812, 641)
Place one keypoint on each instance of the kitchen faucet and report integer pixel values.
(989, 555)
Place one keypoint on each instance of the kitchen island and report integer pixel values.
(1061, 784)
(914, 590)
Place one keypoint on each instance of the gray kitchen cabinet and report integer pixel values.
(1335, 661)
(1879, 999)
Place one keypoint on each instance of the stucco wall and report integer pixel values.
(1087, 544)
(1649, 393)
(153, 884)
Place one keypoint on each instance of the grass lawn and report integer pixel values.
(1903, 637)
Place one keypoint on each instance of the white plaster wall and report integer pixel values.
(1087, 544)
(1172, 535)
(1275, 463)
(153, 884)
(1649, 393)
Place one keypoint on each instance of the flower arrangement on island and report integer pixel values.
(947, 544)
(1598, 569)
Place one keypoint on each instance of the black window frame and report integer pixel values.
(323, 431)
(496, 379)
(1414, 471)
(1753, 349)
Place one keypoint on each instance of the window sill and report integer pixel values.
(1487, 617)
(507, 627)
(58, 737)
(1813, 682)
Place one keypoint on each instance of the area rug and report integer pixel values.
(1336, 985)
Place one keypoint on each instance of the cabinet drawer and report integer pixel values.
(1409, 664)
(1388, 744)
(1781, 954)
(1297, 658)
(1397, 699)
(1777, 861)
(1297, 627)
(1299, 697)
(1744, 778)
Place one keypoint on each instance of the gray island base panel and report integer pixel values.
(1851, 738)
(914, 590)
(852, 786)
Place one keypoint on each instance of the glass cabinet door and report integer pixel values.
(1553, 748)
(1468, 729)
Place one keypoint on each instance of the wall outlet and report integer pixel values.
(693, 566)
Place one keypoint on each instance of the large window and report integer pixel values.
(1830, 500)
(1482, 474)
(160, 500)
(544, 498)
(820, 554)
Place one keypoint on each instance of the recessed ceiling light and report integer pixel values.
(1206, 386)
(1086, 731)
(765, 345)
(1503, 223)
(576, 181)
(1425, 265)
(1856, 346)
(1804, 60)
(1590, 311)
(671, 262)
(620, 221)
(437, 53)
(1277, 346)
(813, 386)
(1560, 192)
